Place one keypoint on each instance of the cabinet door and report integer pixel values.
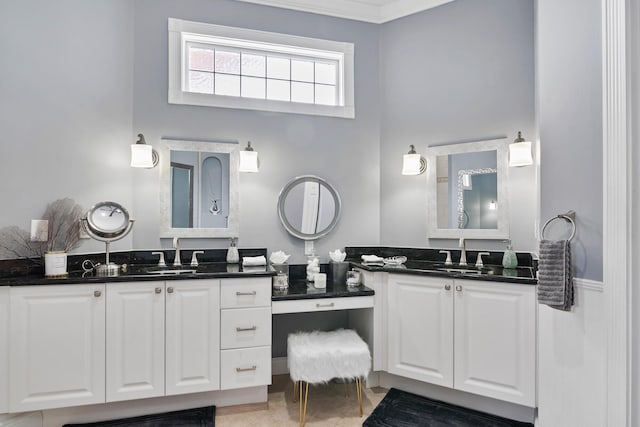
(193, 336)
(420, 328)
(135, 340)
(495, 340)
(57, 346)
(4, 349)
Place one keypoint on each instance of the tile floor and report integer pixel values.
(327, 407)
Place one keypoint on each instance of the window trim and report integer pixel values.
(181, 31)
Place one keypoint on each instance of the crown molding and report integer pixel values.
(376, 12)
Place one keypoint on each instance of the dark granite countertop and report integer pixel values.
(430, 262)
(137, 273)
(301, 289)
(492, 273)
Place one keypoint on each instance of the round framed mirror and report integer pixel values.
(308, 207)
(107, 221)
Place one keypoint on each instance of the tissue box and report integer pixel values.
(281, 279)
(338, 271)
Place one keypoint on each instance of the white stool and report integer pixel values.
(317, 357)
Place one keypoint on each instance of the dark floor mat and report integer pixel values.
(402, 409)
(196, 417)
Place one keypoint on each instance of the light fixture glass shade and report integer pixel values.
(493, 205)
(248, 161)
(411, 164)
(141, 156)
(520, 154)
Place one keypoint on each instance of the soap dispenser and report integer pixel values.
(232, 253)
(509, 259)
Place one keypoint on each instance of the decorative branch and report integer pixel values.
(16, 243)
(64, 224)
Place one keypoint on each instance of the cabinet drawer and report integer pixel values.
(321, 304)
(246, 367)
(245, 327)
(240, 293)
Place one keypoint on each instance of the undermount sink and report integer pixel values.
(169, 271)
(470, 270)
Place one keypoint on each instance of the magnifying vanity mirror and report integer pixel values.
(198, 189)
(308, 207)
(467, 190)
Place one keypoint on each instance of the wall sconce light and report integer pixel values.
(520, 152)
(248, 159)
(143, 155)
(493, 205)
(413, 163)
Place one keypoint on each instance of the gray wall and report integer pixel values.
(344, 152)
(569, 79)
(65, 106)
(460, 72)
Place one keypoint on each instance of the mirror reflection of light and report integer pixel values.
(493, 205)
(466, 181)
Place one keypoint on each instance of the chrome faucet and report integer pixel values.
(463, 252)
(176, 246)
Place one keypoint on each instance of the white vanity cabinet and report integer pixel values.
(57, 346)
(162, 338)
(135, 340)
(420, 328)
(4, 349)
(495, 340)
(192, 339)
(474, 336)
(245, 332)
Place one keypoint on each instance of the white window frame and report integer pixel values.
(181, 32)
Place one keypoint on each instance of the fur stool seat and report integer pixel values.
(317, 357)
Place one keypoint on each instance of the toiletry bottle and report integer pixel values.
(232, 253)
(509, 259)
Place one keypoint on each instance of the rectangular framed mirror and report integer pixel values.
(467, 190)
(198, 189)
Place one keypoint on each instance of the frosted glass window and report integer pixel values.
(200, 82)
(253, 65)
(231, 67)
(227, 62)
(227, 85)
(278, 68)
(253, 87)
(201, 59)
(278, 90)
(302, 92)
(325, 95)
(302, 71)
(325, 73)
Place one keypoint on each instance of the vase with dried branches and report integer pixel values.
(63, 217)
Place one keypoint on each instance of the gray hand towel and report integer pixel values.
(555, 279)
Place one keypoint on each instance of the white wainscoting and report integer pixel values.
(572, 361)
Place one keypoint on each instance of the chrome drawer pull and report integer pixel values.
(158, 290)
(253, 328)
(253, 368)
(97, 294)
(170, 290)
(458, 288)
(325, 305)
(240, 294)
(447, 287)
